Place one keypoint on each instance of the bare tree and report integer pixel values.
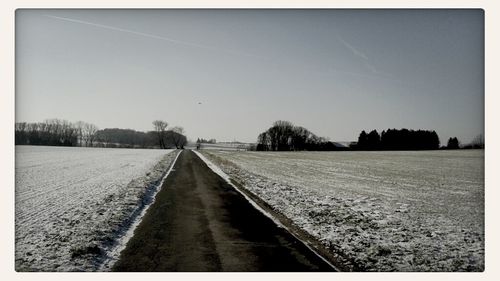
(160, 128)
(299, 138)
(68, 135)
(178, 137)
(478, 142)
(21, 136)
(281, 134)
(263, 141)
(79, 131)
(89, 132)
(49, 132)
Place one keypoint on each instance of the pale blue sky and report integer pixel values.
(335, 72)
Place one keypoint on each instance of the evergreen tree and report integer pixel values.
(453, 143)
(363, 140)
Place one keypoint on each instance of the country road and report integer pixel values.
(199, 222)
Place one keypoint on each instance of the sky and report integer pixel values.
(229, 74)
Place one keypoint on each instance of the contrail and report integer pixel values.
(355, 51)
(363, 56)
(179, 42)
(215, 49)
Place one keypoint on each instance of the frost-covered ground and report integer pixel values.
(73, 203)
(385, 211)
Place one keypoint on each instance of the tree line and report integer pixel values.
(56, 132)
(284, 136)
(202, 140)
(405, 139)
(454, 143)
(394, 139)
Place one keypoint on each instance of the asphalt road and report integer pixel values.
(198, 222)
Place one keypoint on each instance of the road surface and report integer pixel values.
(199, 222)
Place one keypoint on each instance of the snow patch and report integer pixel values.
(73, 203)
(121, 242)
(388, 211)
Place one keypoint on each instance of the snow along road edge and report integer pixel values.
(121, 243)
(227, 178)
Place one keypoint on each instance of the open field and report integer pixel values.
(383, 211)
(72, 203)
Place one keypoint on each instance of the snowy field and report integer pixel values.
(382, 211)
(72, 204)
